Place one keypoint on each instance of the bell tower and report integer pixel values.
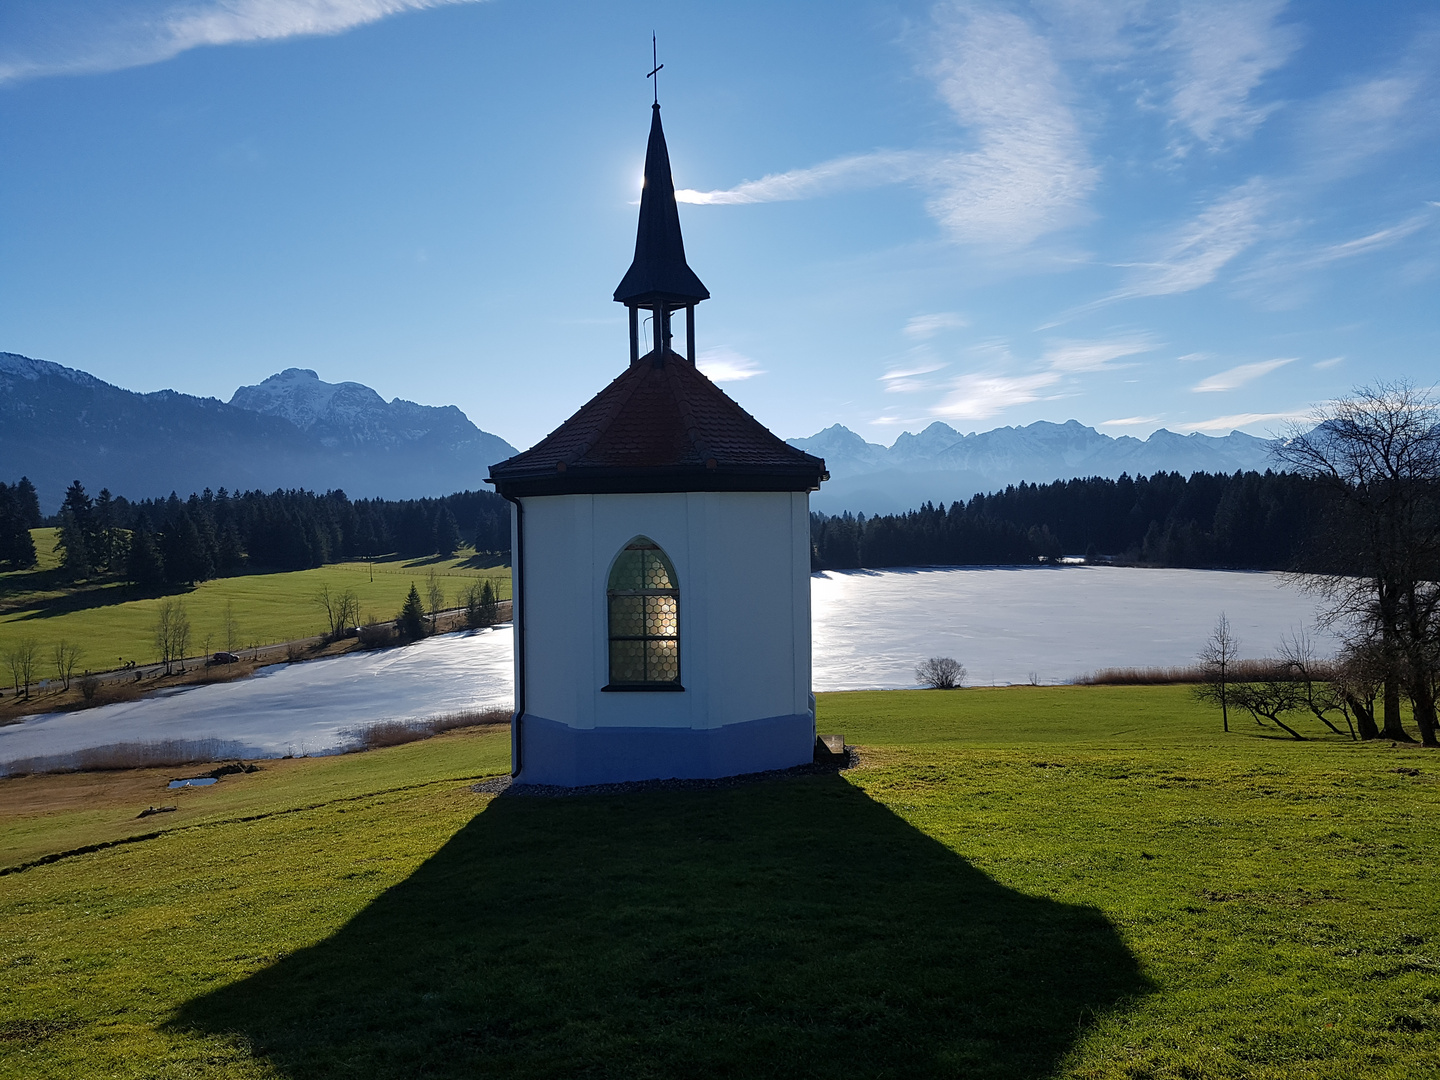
(660, 559)
(659, 278)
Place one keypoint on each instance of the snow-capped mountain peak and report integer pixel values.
(302, 397)
(942, 464)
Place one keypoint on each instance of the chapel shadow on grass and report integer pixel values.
(785, 928)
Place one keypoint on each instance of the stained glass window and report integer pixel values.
(644, 617)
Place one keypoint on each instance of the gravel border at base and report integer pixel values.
(503, 785)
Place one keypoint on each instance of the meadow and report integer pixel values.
(113, 622)
(1054, 881)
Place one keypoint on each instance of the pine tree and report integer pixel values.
(411, 620)
(29, 503)
(187, 559)
(447, 533)
(230, 554)
(77, 532)
(145, 566)
(17, 547)
(73, 545)
(103, 550)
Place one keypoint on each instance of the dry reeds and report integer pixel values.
(1240, 671)
(396, 732)
(130, 756)
(1142, 676)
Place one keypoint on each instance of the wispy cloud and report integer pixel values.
(722, 364)
(1380, 238)
(1224, 50)
(107, 37)
(1130, 421)
(1361, 245)
(1093, 29)
(977, 395)
(846, 173)
(1326, 365)
(854, 172)
(1340, 131)
(923, 327)
(1079, 356)
(1238, 376)
(1198, 250)
(907, 380)
(1277, 278)
(1242, 420)
(1028, 171)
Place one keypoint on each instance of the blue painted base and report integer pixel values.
(554, 753)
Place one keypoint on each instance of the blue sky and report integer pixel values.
(1196, 215)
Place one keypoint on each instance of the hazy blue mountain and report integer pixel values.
(58, 424)
(941, 464)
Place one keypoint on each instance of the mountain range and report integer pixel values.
(942, 465)
(293, 430)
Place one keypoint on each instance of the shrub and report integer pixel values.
(940, 673)
(88, 687)
(376, 635)
(481, 605)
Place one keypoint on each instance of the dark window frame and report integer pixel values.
(613, 594)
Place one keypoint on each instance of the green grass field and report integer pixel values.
(1026, 882)
(116, 620)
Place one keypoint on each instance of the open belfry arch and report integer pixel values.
(661, 559)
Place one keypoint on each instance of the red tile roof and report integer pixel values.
(659, 427)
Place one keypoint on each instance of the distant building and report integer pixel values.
(661, 560)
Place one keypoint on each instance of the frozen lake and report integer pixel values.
(870, 629)
(296, 709)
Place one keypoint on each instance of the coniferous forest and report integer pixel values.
(157, 542)
(1248, 521)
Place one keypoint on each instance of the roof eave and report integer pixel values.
(615, 481)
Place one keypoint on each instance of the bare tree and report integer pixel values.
(67, 658)
(434, 594)
(342, 610)
(1377, 453)
(171, 632)
(160, 632)
(230, 629)
(1357, 676)
(20, 659)
(180, 633)
(1319, 693)
(1270, 698)
(1217, 661)
(940, 673)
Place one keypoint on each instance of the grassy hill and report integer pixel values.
(1025, 882)
(114, 620)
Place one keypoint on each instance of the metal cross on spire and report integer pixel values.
(654, 59)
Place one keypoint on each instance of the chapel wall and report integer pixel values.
(742, 560)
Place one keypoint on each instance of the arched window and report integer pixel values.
(644, 604)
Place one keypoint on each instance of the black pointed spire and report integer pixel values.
(659, 274)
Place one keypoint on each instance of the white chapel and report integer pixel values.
(661, 560)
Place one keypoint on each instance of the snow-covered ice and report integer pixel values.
(870, 629)
(302, 708)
